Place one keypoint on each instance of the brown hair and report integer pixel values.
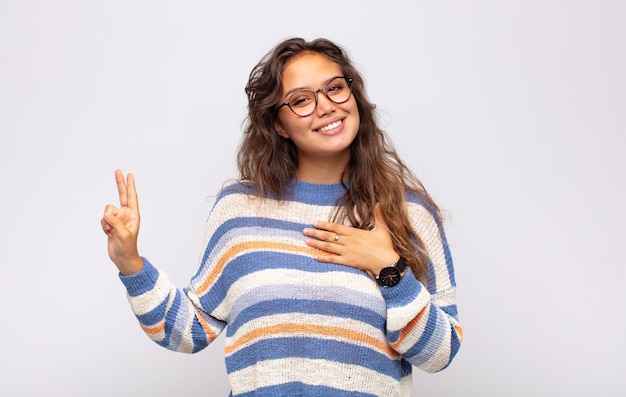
(376, 174)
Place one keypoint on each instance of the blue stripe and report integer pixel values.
(432, 277)
(236, 188)
(198, 336)
(448, 256)
(298, 389)
(315, 194)
(170, 341)
(141, 282)
(438, 333)
(313, 348)
(321, 307)
(451, 311)
(296, 191)
(405, 293)
(455, 344)
(182, 318)
(154, 316)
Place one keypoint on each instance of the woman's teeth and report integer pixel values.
(330, 126)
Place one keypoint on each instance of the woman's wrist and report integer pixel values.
(387, 263)
(131, 266)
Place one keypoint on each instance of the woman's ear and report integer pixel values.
(280, 130)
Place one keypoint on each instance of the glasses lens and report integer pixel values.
(302, 102)
(338, 90)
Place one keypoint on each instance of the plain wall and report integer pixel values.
(513, 114)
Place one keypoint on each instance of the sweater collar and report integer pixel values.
(319, 193)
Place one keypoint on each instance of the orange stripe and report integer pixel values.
(311, 330)
(155, 329)
(207, 328)
(409, 327)
(459, 330)
(160, 327)
(238, 248)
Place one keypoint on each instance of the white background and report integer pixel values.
(513, 113)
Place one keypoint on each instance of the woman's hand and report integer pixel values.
(368, 250)
(121, 225)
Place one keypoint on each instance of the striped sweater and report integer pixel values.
(296, 326)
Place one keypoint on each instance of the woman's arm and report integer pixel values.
(171, 317)
(422, 318)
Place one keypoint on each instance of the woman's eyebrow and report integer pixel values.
(291, 91)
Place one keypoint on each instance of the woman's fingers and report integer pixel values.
(127, 190)
(368, 250)
(323, 239)
(106, 228)
(121, 188)
(113, 221)
(125, 218)
(111, 224)
(109, 210)
(131, 193)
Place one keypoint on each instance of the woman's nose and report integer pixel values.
(324, 104)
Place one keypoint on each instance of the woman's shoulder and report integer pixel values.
(231, 187)
(423, 202)
(413, 197)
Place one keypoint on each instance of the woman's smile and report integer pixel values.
(331, 128)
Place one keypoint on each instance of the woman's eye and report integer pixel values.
(300, 100)
(335, 87)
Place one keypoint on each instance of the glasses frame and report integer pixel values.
(349, 80)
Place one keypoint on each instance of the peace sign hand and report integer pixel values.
(368, 250)
(121, 225)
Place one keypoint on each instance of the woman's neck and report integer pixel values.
(322, 175)
(322, 171)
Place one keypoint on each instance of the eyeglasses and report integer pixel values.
(303, 102)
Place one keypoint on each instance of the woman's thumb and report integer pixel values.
(112, 220)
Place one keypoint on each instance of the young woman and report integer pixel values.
(326, 263)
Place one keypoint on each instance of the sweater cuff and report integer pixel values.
(142, 281)
(404, 292)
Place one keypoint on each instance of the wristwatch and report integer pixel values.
(391, 275)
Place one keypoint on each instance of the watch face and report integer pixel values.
(389, 276)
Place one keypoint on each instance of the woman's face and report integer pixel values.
(323, 137)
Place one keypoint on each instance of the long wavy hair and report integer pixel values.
(375, 172)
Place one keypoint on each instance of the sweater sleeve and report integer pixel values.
(171, 317)
(422, 319)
